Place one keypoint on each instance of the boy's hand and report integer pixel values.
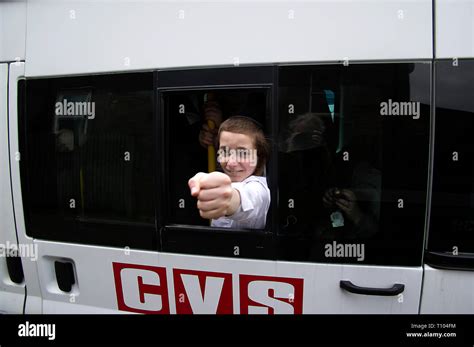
(216, 197)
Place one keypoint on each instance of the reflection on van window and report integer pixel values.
(221, 151)
(452, 204)
(88, 150)
(346, 169)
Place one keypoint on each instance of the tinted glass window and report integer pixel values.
(452, 204)
(353, 162)
(87, 159)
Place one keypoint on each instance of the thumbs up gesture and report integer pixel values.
(215, 195)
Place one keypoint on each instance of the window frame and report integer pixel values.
(206, 240)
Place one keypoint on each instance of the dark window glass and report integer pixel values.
(452, 203)
(186, 154)
(353, 162)
(87, 159)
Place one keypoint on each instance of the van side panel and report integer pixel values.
(12, 294)
(12, 30)
(447, 292)
(85, 37)
(33, 299)
(454, 29)
(112, 280)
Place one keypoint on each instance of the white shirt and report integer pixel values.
(254, 204)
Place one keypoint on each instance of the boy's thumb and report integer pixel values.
(194, 185)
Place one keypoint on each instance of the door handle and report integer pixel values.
(15, 269)
(64, 275)
(396, 289)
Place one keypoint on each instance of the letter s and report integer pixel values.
(261, 292)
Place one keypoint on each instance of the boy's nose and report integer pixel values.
(232, 162)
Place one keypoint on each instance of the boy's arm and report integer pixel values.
(254, 202)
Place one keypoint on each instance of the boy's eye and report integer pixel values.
(244, 153)
(241, 154)
(223, 154)
(223, 151)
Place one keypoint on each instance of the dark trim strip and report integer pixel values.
(448, 261)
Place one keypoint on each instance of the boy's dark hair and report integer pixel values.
(250, 127)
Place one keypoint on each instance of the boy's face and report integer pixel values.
(237, 155)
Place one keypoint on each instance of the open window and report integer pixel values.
(183, 98)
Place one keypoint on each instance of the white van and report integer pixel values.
(101, 108)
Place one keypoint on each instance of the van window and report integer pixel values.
(452, 203)
(353, 162)
(86, 159)
(184, 98)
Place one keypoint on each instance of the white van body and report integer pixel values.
(56, 39)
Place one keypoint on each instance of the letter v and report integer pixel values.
(209, 300)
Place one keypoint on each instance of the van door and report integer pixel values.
(87, 185)
(348, 180)
(449, 261)
(12, 283)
